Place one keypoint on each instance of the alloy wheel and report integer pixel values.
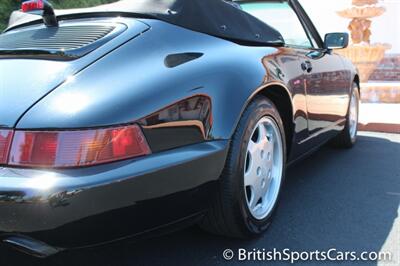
(263, 168)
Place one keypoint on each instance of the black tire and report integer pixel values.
(345, 139)
(229, 214)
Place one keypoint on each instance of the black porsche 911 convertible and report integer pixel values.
(132, 117)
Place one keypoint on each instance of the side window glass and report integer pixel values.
(283, 18)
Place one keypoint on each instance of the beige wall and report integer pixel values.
(385, 29)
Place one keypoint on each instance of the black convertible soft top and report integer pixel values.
(221, 18)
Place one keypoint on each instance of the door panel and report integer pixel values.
(320, 86)
(327, 90)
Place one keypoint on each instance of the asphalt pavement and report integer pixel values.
(342, 199)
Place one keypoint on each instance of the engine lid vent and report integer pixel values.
(68, 41)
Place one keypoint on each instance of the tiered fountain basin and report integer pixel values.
(362, 12)
(365, 57)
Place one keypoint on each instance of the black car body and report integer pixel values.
(185, 89)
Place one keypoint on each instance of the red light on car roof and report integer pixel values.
(77, 148)
(5, 141)
(32, 5)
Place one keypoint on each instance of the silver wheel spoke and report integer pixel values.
(250, 177)
(252, 148)
(262, 131)
(269, 151)
(268, 183)
(257, 195)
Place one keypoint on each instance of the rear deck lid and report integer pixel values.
(36, 60)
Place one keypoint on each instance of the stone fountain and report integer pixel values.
(361, 52)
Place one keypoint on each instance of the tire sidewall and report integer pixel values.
(353, 140)
(259, 109)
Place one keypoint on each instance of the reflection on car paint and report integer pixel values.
(187, 122)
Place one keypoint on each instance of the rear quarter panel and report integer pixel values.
(134, 81)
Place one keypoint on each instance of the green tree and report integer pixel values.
(7, 6)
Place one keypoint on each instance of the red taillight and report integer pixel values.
(5, 141)
(76, 148)
(32, 5)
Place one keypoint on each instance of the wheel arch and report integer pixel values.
(356, 79)
(281, 98)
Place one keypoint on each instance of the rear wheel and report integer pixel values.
(252, 179)
(348, 137)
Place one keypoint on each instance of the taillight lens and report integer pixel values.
(76, 148)
(32, 5)
(5, 141)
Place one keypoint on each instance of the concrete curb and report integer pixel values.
(380, 127)
(380, 117)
